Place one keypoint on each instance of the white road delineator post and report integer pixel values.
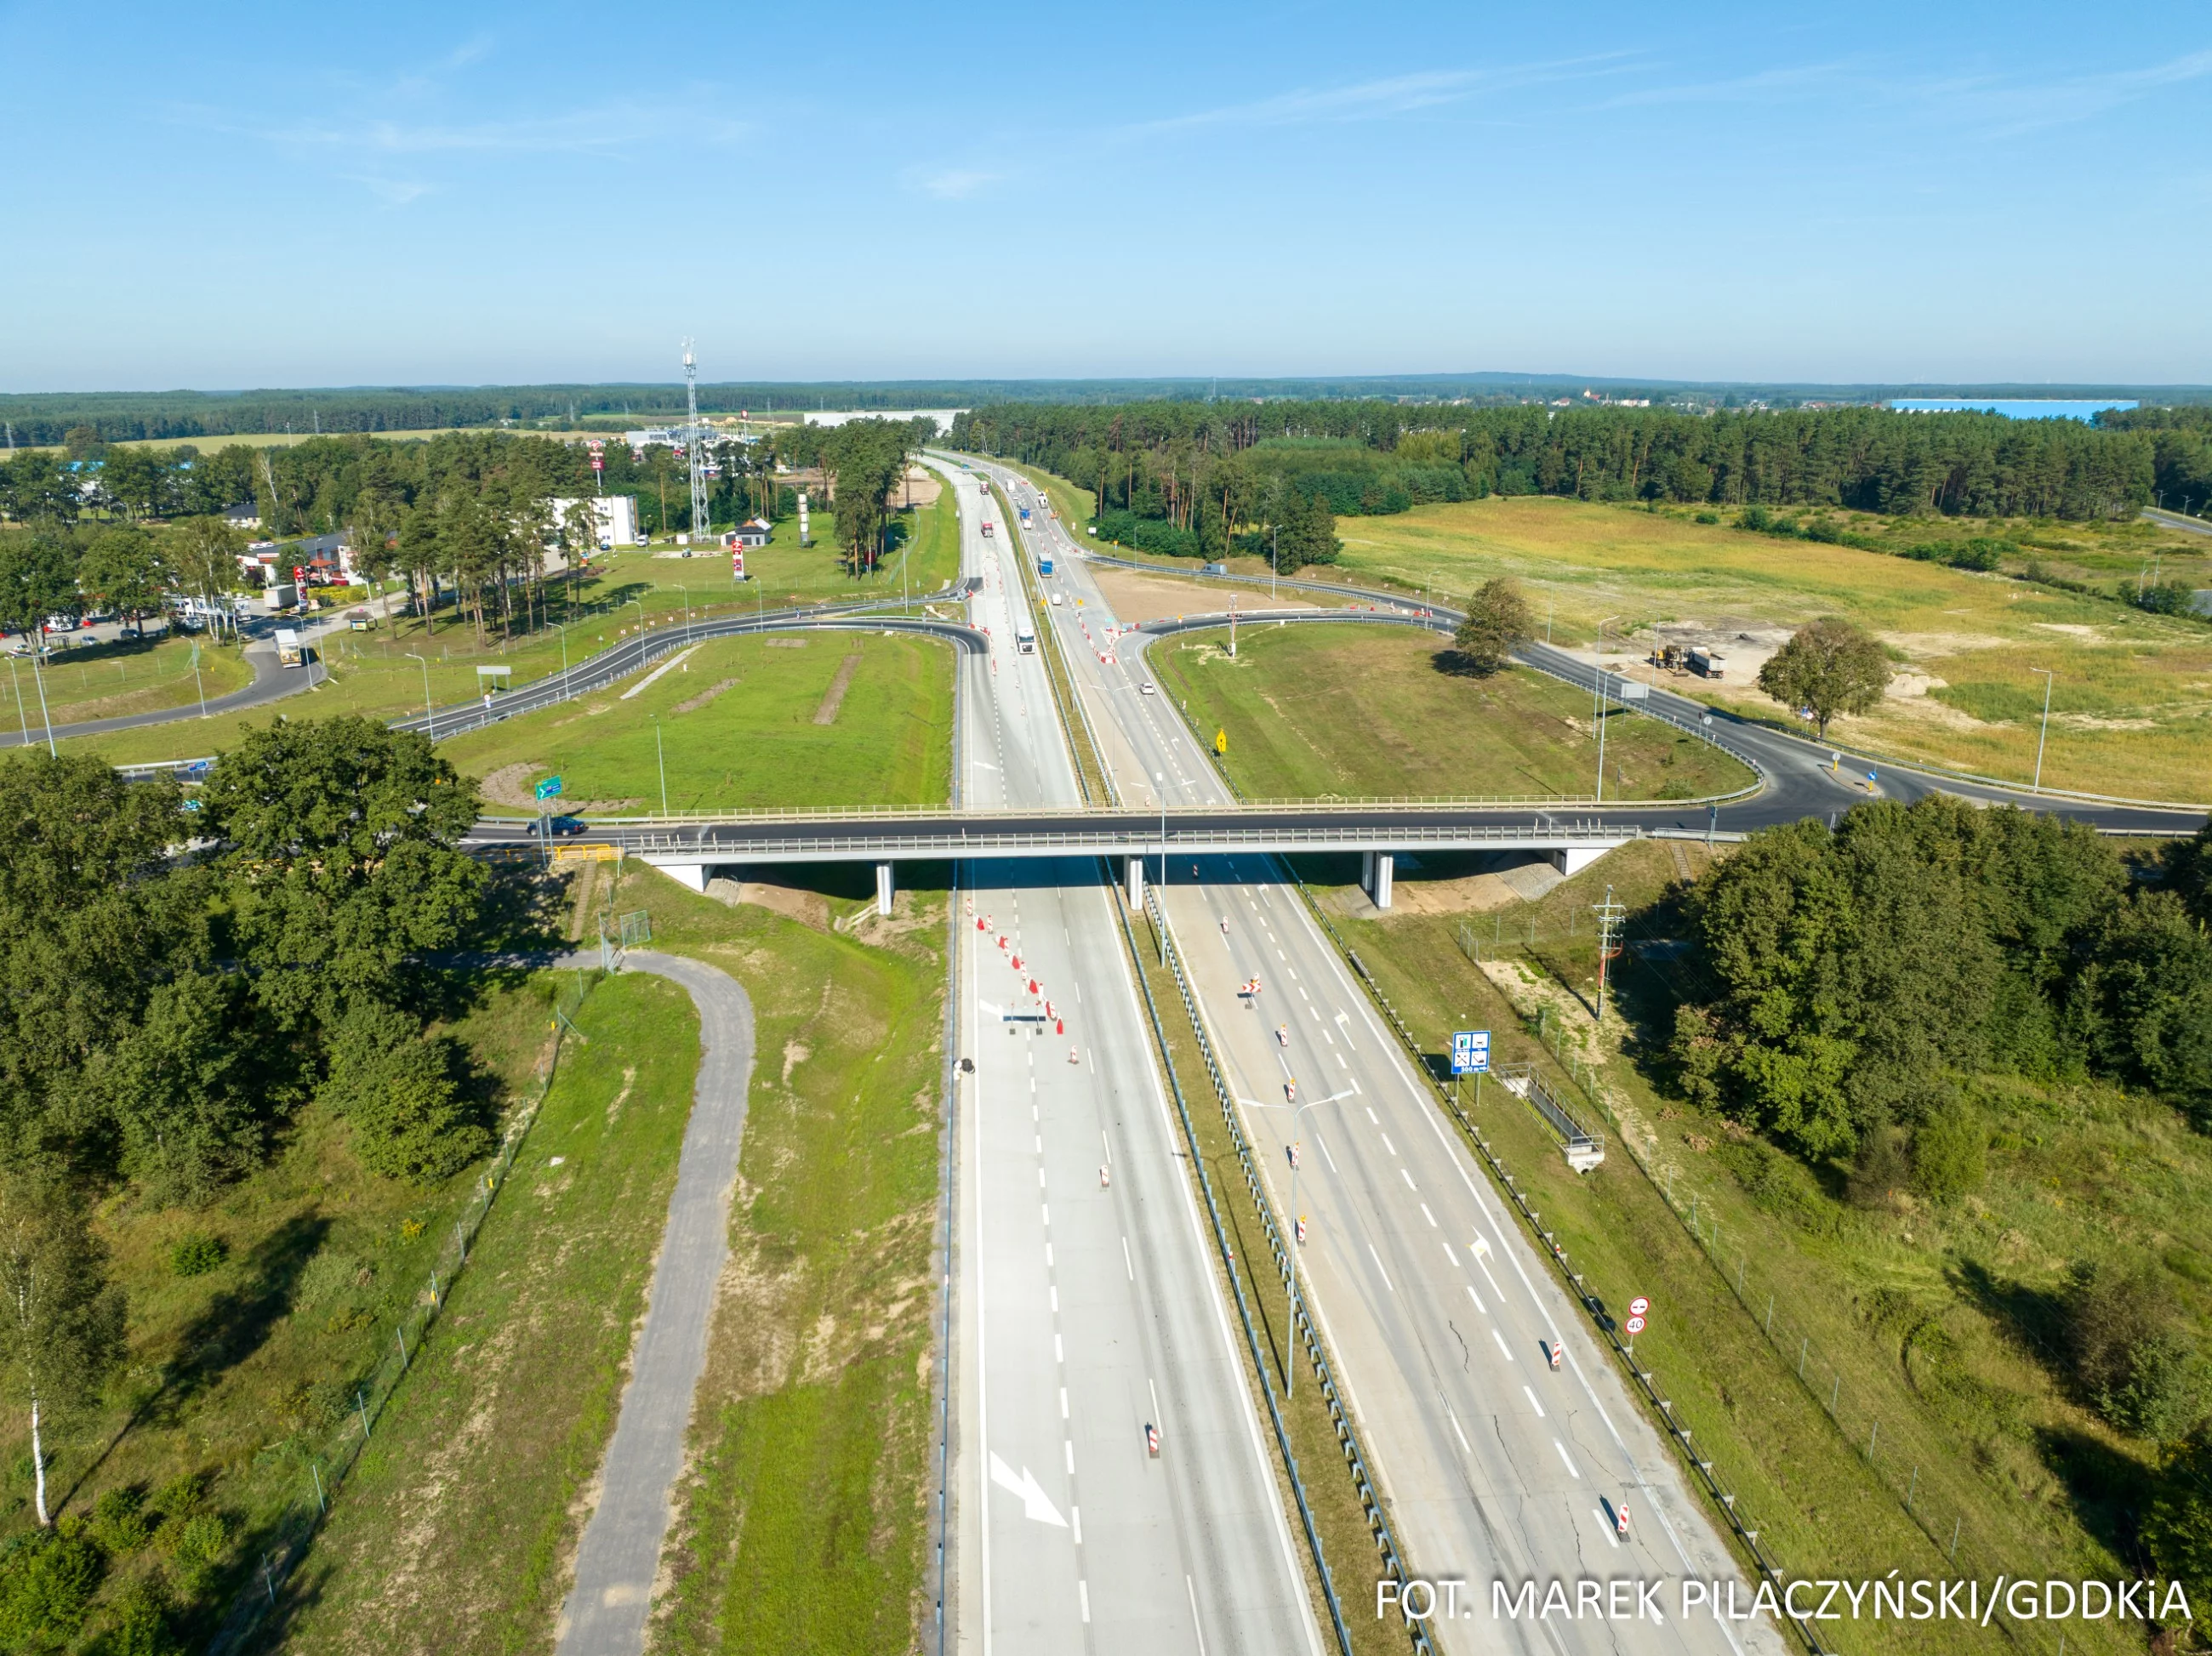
(1136, 867)
(882, 887)
(1385, 864)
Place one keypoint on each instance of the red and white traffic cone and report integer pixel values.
(1151, 1440)
(1554, 1349)
(1620, 1519)
(1302, 1228)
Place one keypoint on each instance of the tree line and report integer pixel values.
(169, 1014)
(1198, 467)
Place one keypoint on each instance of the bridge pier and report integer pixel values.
(1572, 860)
(1367, 871)
(882, 887)
(1136, 876)
(1385, 865)
(694, 875)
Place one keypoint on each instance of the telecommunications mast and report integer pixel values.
(695, 437)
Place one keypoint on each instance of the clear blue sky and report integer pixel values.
(244, 194)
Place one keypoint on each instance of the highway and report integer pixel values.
(1085, 1305)
(1440, 1317)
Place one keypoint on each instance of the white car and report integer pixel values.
(1056, 600)
(1146, 689)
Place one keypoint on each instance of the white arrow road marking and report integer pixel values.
(1035, 1502)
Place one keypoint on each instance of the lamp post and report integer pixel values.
(564, 655)
(38, 678)
(21, 718)
(2043, 734)
(430, 712)
(680, 587)
(661, 757)
(1274, 561)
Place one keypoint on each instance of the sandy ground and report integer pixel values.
(1151, 597)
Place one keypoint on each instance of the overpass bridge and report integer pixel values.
(1570, 835)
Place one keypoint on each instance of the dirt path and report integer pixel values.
(834, 697)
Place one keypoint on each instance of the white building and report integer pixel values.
(616, 514)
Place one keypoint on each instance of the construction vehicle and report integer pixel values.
(1708, 664)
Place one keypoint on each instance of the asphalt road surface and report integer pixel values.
(1440, 1316)
(270, 683)
(1086, 1304)
(615, 1561)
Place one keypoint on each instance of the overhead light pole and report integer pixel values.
(430, 712)
(2043, 734)
(660, 756)
(1597, 687)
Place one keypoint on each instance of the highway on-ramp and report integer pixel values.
(1440, 1314)
(1086, 1304)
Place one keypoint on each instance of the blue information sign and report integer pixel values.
(550, 788)
(1470, 1052)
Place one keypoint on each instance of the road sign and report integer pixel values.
(550, 788)
(1470, 1052)
(1221, 741)
(1634, 1325)
(1638, 1306)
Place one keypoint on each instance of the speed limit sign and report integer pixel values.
(1638, 1307)
(1634, 1325)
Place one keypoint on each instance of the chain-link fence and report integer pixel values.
(287, 1535)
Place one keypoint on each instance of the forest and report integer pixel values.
(1214, 470)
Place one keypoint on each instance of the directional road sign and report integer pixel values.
(1470, 1052)
(550, 788)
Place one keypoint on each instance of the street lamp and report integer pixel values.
(2044, 734)
(660, 755)
(1290, 1366)
(430, 712)
(1597, 689)
(680, 587)
(1274, 561)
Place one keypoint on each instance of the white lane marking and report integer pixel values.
(1052, 1292)
(1058, 1356)
(1325, 1156)
(1083, 1596)
(1069, 1446)
(1528, 1394)
(1456, 1433)
(1572, 1470)
(1451, 1256)
(1075, 1523)
(1388, 1145)
(1425, 1214)
(1386, 1275)
(1040, 1177)
(1129, 1264)
(1047, 1208)
(1327, 1037)
(1603, 1526)
(1408, 1178)
(1063, 1402)
(1502, 1345)
(1370, 1108)
(1477, 1298)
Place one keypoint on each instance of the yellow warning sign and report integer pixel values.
(1221, 741)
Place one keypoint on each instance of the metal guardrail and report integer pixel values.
(1244, 1310)
(1701, 1469)
(924, 848)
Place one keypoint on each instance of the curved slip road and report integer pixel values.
(605, 1612)
(270, 683)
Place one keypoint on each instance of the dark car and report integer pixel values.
(561, 825)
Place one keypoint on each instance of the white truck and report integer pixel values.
(290, 651)
(1025, 638)
(1708, 664)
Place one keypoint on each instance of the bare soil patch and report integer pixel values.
(1150, 597)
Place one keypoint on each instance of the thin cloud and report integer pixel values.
(604, 131)
(953, 184)
(2007, 111)
(1396, 94)
(392, 192)
(1757, 88)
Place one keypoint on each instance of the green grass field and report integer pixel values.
(1917, 1317)
(374, 674)
(236, 1376)
(737, 724)
(463, 1514)
(802, 1524)
(2131, 700)
(1360, 712)
(130, 675)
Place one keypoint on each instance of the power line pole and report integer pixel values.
(694, 444)
(1609, 914)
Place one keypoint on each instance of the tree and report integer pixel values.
(1830, 666)
(409, 1121)
(1498, 623)
(1306, 532)
(37, 578)
(204, 553)
(123, 568)
(343, 856)
(61, 1319)
(580, 538)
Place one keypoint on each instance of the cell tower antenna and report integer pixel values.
(695, 445)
